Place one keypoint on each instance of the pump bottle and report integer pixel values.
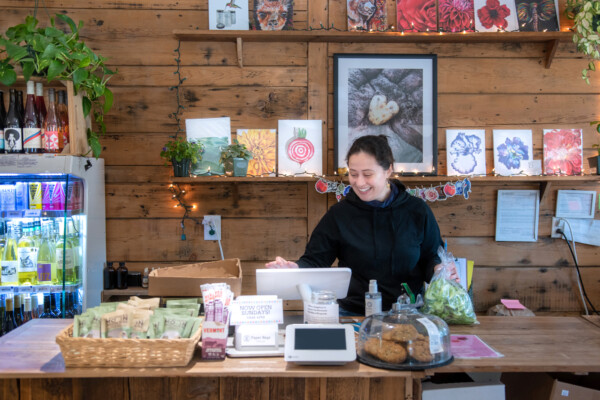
(372, 299)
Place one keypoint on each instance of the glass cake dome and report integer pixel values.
(404, 339)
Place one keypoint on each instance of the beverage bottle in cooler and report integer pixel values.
(2, 118)
(34, 305)
(17, 309)
(32, 126)
(2, 314)
(27, 258)
(21, 196)
(7, 197)
(20, 108)
(63, 115)
(122, 276)
(52, 139)
(35, 195)
(55, 305)
(57, 201)
(27, 313)
(69, 311)
(37, 232)
(9, 317)
(10, 258)
(40, 104)
(13, 143)
(47, 189)
(64, 259)
(74, 239)
(46, 266)
(47, 307)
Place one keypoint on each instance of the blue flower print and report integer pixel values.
(511, 152)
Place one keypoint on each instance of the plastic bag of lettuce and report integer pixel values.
(446, 298)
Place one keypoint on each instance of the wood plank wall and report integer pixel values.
(480, 86)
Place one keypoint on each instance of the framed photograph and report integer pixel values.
(391, 95)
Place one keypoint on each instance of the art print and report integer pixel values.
(513, 149)
(366, 15)
(214, 134)
(416, 15)
(391, 95)
(465, 151)
(456, 15)
(300, 147)
(263, 145)
(273, 15)
(495, 15)
(537, 16)
(228, 15)
(563, 152)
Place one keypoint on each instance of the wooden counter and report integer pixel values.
(567, 344)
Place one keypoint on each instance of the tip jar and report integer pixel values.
(404, 339)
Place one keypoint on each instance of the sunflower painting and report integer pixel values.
(263, 145)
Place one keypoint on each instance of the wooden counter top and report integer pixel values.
(532, 344)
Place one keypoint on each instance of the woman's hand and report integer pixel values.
(451, 269)
(281, 263)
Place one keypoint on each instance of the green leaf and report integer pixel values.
(94, 143)
(28, 69)
(8, 77)
(69, 21)
(15, 52)
(108, 100)
(87, 105)
(85, 61)
(50, 51)
(56, 68)
(79, 75)
(53, 32)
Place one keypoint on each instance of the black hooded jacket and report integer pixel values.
(393, 244)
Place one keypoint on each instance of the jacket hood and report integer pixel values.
(401, 198)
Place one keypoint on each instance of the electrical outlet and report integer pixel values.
(557, 223)
(212, 227)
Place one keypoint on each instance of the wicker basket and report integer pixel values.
(114, 352)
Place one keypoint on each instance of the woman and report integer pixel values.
(379, 231)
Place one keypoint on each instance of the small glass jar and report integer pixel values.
(232, 17)
(323, 297)
(220, 19)
(322, 309)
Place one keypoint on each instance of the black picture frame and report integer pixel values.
(390, 94)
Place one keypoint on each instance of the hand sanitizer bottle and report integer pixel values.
(372, 299)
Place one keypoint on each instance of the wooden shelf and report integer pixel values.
(106, 295)
(550, 39)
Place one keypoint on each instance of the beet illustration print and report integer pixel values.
(299, 148)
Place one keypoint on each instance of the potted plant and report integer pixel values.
(59, 55)
(235, 159)
(586, 17)
(181, 154)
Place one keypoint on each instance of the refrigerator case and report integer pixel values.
(80, 217)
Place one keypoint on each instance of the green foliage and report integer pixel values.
(596, 146)
(179, 149)
(586, 16)
(59, 55)
(235, 150)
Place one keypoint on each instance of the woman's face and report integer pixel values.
(367, 178)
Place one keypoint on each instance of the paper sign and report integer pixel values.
(512, 304)
(257, 310)
(470, 346)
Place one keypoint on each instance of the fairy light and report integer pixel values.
(178, 194)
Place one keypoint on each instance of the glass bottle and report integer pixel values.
(73, 238)
(52, 139)
(27, 313)
(63, 115)
(10, 260)
(17, 309)
(46, 265)
(13, 142)
(10, 315)
(69, 311)
(34, 305)
(122, 276)
(64, 259)
(55, 305)
(109, 274)
(20, 108)
(372, 299)
(32, 126)
(40, 104)
(2, 314)
(27, 255)
(47, 310)
(2, 118)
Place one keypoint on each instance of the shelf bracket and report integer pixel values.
(544, 188)
(240, 56)
(551, 47)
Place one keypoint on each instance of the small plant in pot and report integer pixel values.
(235, 159)
(181, 154)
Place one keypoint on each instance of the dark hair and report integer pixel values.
(376, 146)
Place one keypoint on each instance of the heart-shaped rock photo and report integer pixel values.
(381, 111)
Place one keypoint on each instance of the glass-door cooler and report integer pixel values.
(52, 236)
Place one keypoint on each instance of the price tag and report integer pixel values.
(24, 289)
(14, 214)
(6, 289)
(43, 288)
(32, 213)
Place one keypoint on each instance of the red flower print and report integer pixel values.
(416, 15)
(562, 152)
(456, 15)
(493, 14)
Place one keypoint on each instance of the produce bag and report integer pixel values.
(446, 298)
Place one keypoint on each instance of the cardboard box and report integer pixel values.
(562, 391)
(185, 280)
(463, 391)
(542, 386)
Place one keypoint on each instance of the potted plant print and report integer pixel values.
(181, 154)
(58, 54)
(235, 159)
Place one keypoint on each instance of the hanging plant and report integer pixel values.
(586, 17)
(58, 55)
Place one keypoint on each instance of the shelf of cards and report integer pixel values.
(549, 39)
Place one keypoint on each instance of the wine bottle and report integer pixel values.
(69, 312)
(63, 115)
(34, 305)
(122, 276)
(27, 313)
(47, 310)
(17, 309)
(52, 139)
(10, 260)
(10, 315)
(55, 305)
(2, 314)
(64, 260)
(32, 126)
(46, 266)
(27, 254)
(40, 104)
(13, 142)
(2, 118)
(20, 108)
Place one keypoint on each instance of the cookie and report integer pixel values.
(392, 352)
(381, 111)
(419, 351)
(401, 333)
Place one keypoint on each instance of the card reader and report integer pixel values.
(319, 344)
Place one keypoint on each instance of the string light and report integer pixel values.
(177, 88)
(178, 194)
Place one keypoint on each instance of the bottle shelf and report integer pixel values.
(39, 288)
(39, 213)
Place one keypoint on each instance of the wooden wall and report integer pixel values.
(500, 85)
